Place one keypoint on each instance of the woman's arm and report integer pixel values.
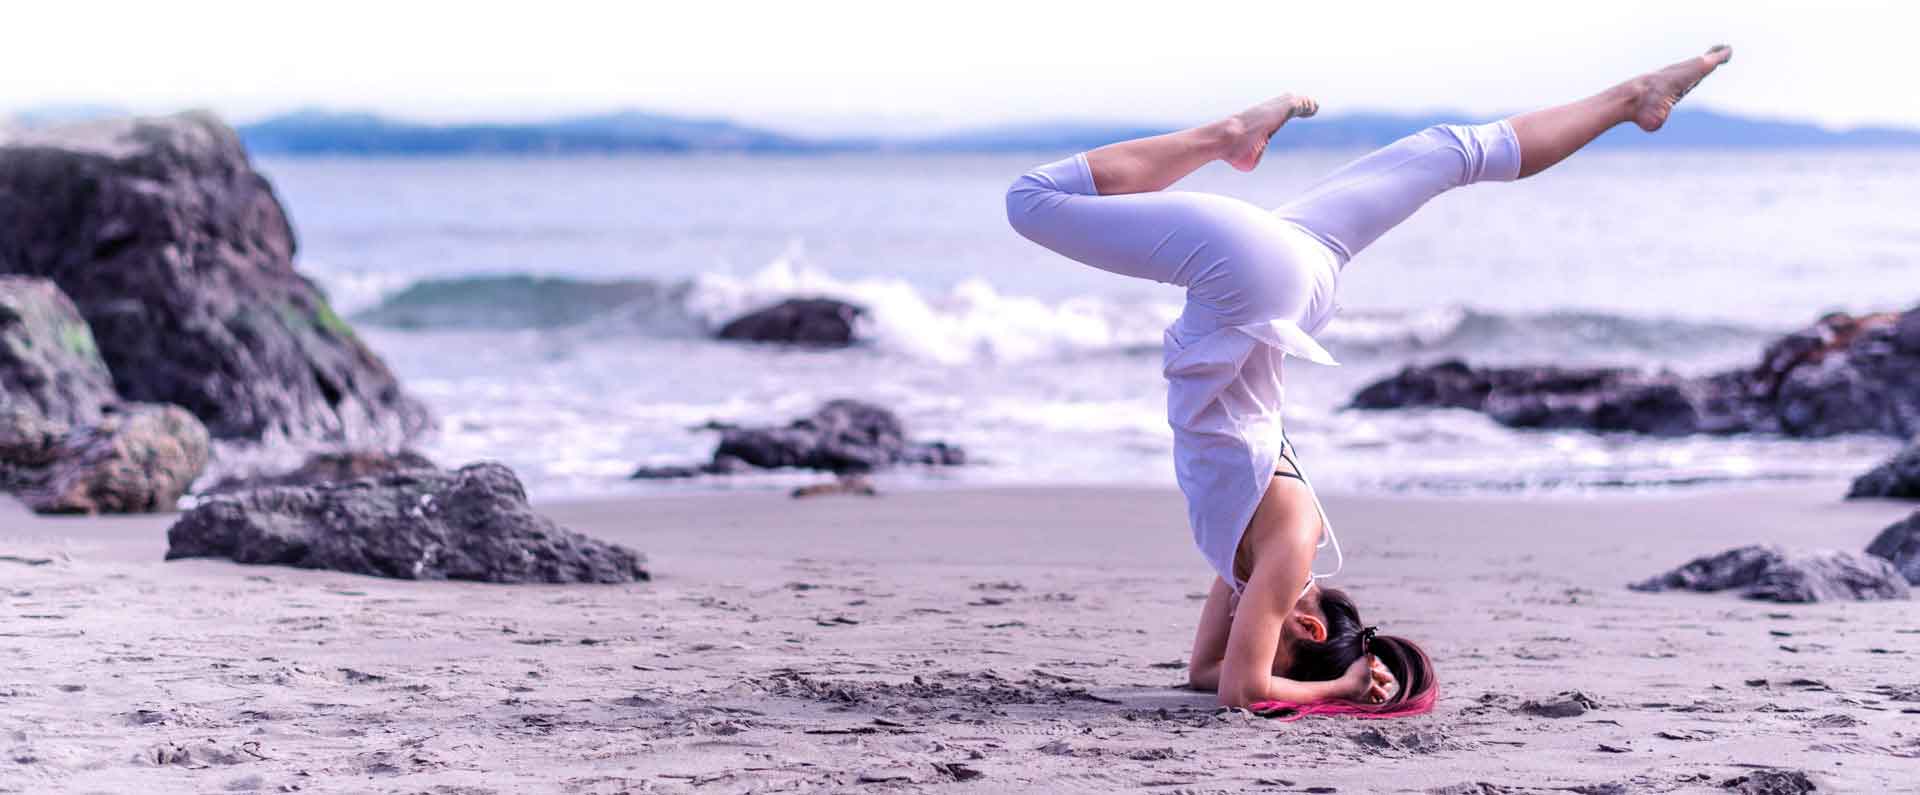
(1284, 529)
(1210, 640)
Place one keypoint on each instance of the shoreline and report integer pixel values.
(1010, 639)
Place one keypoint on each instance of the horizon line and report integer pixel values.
(62, 113)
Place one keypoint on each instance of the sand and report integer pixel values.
(966, 640)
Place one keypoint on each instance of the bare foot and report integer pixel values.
(1661, 90)
(1249, 129)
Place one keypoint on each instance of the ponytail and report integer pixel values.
(1348, 641)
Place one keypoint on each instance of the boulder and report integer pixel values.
(473, 523)
(1899, 544)
(843, 437)
(329, 467)
(1844, 374)
(140, 457)
(1775, 574)
(49, 365)
(180, 258)
(804, 321)
(29, 443)
(1897, 477)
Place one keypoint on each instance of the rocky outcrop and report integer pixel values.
(329, 467)
(473, 523)
(1844, 374)
(843, 436)
(139, 457)
(1899, 544)
(1897, 477)
(49, 365)
(67, 443)
(179, 257)
(804, 321)
(1775, 574)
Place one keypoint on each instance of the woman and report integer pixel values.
(1259, 284)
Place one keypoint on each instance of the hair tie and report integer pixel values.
(1366, 640)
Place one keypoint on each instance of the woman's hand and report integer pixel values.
(1367, 681)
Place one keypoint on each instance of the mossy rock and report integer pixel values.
(49, 363)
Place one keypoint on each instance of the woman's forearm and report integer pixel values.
(1276, 688)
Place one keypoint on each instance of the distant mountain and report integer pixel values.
(314, 132)
(1695, 128)
(321, 132)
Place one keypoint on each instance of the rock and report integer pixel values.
(1598, 399)
(852, 485)
(330, 467)
(720, 465)
(1897, 477)
(843, 437)
(1771, 782)
(469, 524)
(29, 443)
(180, 258)
(1899, 544)
(1844, 374)
(1570, 704)
(805, 321)
(140, 457)
(1772, 573)
(49, 364)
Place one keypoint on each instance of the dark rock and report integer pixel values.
(1771, 782)
(49, 364)
(805, 321)
(1899, 544)
(720, 465)
(843, 436)
(179, 256)
(470, 524)
(1570, 704)
(853, 485)
(29, 443)
(1600, 399)
(1897, 477)
(1771, 573)
(139, 457)
(1844, 374)
(67, 443)
(329, 467)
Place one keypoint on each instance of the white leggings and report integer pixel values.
(1242, 264)
(1258, 283)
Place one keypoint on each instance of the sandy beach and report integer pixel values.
(982, 640)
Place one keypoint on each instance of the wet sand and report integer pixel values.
(981, 640)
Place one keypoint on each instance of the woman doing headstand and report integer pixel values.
(1258, 285)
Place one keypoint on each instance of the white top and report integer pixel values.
(1224, 395)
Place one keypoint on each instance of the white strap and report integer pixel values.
(1327, 537)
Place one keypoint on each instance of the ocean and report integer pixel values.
(1045, 370)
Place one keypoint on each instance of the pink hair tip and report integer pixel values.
(1289, 711)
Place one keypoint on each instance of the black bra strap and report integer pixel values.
(1292, 469)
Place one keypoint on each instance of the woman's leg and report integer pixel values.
(1549, 136)
(1106, 208)
(1144, 165)
(1360, 202)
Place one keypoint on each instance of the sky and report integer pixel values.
(829, 67)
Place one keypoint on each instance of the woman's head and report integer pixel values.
(1325, 636)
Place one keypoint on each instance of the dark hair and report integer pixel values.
(1348, 640)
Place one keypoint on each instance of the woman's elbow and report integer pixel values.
(1231, 693)
(1235, 697)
